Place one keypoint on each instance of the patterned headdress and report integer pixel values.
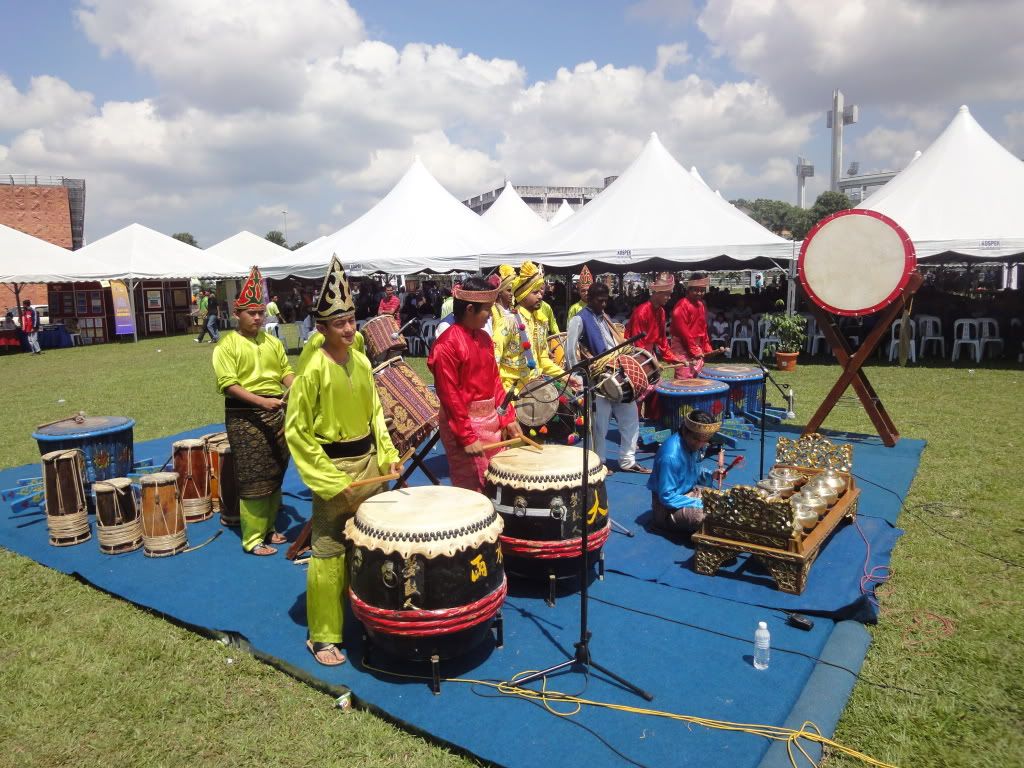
(586, 280)
(251, 295)
(664, 282)
(474, 297)
(704, 431)
(703, 282)
(530, 279)
(507, 275)
(335, 296)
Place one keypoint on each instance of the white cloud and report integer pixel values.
(1014, 140)
(877, 51)
(888, 149)
(48, 99)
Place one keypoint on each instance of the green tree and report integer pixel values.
(829, 203)
(799, 222)
(296, 246)
(275, 236)
(187, 238)
(770, 214)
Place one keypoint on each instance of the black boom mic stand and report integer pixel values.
(582, 659)
(786, 391)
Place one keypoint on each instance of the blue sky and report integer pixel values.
(187, 116)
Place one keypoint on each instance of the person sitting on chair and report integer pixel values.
(674, 485)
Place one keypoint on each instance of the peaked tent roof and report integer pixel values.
(512, 218)
(564, 212)
(696, 174)
(654, 210)
(28, 259)
(963, 195)
(137, 252)
(418, 226)
(245, 249)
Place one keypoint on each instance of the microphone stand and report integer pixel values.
(786, 392)
(582, 658)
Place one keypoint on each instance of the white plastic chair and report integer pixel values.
(428, 330)
(766, 339)
(966, 334)
(814, 336)
(894, 340)
(988, 332)
(742, 333)
(929, 331)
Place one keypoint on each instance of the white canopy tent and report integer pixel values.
(27, 259)
(245, 249)
(656, 211)
(512, 218)
(418, 226)
(564, 212)
(963, 196)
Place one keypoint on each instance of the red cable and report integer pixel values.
(417, 622)
(551, 550)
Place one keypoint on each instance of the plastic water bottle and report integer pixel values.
(762, 646)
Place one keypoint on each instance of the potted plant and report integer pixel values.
(791, 332)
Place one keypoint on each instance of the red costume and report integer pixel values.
(469, 388)
(388, 306)
(650, 321)
(690, 336)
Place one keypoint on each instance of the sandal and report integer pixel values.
(638, 469)
(334, 657)
(262, 550)
(278, 538)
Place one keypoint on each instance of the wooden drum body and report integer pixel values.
(378, 334)
(106, 443)
(67, 512)
(118, 524)
(632, 377)
(538, 498)
(213, 457)
(192, 465)
(163, 521)
(227, 484)
(426, 573)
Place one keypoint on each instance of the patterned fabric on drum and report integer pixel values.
(259, 449)
(411, 407)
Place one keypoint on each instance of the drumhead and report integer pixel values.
(159, 478)
(188, 443)
(113, 484)
(64, 453)
(89, 426)
(430, 520)
(856, 262)
(730, 372)
(685, 387)
(557, 466)
(537, 404)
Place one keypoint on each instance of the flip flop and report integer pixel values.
(262, 550)
(278, 538)
(318, 648)
(637, 469)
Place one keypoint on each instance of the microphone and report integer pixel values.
(509, 396)
(790, 397)
(396, 334)
(633, 339)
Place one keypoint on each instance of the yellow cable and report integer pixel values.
(808, 731)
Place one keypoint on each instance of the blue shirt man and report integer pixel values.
(674, 484)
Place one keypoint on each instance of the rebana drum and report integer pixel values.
(680, 396)
(163, 522)
(426, 574)
(192, 465)
(118, 525)
(744, 386)
(67, 513)
(538, 497)
(106, 443)
(549, 409)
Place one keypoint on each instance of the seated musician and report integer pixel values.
(468, 386)
(675, 484)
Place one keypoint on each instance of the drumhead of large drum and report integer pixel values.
(537, 404)
(431, 520)
(557, 466)
(856, 262)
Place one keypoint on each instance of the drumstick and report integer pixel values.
(374, 480)
(734, 463)
(535, 444)
(503, 443)
(721, 468)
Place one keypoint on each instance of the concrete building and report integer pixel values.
(543, 200)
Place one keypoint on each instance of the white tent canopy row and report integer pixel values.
(246, 249)
(513, 219)
(963, 195)
(28, 259)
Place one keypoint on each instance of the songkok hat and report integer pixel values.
(335, 296)
(251, 295)
(530, 279)
(704, 431)
(507, 274)
(586, 280)
(664, 282)
(703, 282)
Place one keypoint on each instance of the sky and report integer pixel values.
(214, 116)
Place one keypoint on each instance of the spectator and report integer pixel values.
(30, 325)
(273, 320)
(389, 305)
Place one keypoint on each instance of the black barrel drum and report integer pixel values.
(426, 574)
(538, 495)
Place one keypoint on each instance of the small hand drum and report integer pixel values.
(537, 404)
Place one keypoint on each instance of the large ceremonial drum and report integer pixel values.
(379, 334)
(556, 346)
(118, 525)
(680, 396)
(631, 377)
(744, 382)
(227, 485)
(106, 443)
(192, 465)
(163, 522)
(426, 573)
(67, 512)
(538, 495)
(213, 457)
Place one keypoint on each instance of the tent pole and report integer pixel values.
(791, 285)
(131, 303)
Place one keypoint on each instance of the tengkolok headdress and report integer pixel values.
(335, 296)
(530, 279)
(251, 295)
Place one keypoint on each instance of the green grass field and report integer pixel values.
(86, 679)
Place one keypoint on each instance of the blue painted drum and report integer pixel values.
(106, 441)
(744, 386)
(680, 396)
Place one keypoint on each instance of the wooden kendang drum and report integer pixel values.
(381, 340)
(192, 465)
(67, 512)
(426, 573)
(163, 521)
(538, 494)
(227, 484)
(106, 443)
(412, 409)
(212, 440)
(118, 524)
(630, 377)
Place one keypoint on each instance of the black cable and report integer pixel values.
(746, 640)
(932, 528)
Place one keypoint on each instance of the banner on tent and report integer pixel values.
(124, 320)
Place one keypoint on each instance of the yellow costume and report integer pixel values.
(522, 347)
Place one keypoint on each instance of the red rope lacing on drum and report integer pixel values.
(417, 622)
(553, 550)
